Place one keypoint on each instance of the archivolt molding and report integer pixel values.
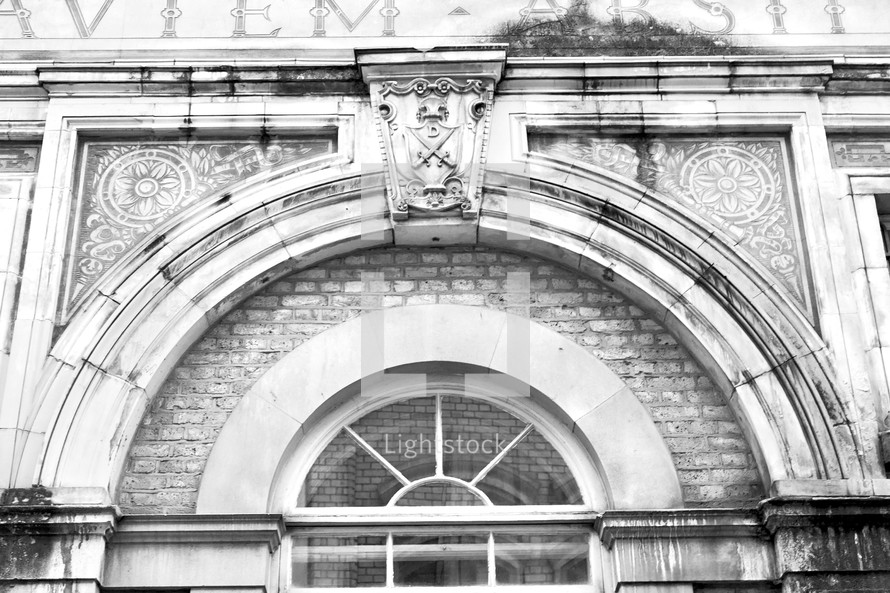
(157, 302)
(169, 291)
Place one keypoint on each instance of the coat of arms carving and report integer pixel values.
(433, 134)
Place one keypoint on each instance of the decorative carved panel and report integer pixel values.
(128, 189)
(850, 153)
(742, 186)
(18, 159)
(434, 132)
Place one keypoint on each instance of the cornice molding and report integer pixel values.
(595, 75)
(198, 529)
(685, 523)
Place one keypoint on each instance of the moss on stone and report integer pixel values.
(579, 33)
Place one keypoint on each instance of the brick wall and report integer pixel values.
(163, 472)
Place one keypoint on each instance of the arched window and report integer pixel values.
(446, 486)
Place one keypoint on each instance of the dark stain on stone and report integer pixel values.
(155, 244)
(26, 497)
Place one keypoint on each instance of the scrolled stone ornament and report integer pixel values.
(433, 142)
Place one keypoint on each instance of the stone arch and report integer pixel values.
(596, 404)
(764, 354)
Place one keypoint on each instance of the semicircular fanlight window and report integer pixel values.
(440, 450)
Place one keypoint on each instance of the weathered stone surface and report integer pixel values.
(830, 534)
(53, 537)
(683, 546)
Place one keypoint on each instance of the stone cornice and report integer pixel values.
(200, 529)
(847, 512)
(640, 540)
(224, 79)
(713, 75)
(482, 61)
(613, 526)
(226, 76)
(61, 511)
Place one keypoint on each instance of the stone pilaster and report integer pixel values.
(831, 544)
(54, 540)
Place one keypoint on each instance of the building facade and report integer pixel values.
(320, 295)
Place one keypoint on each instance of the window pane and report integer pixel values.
(439, 494)
(446, 560)
(375, 457)
(346, 475)
(404, 433)
(474, 432)
(541, 559)
(328, 561)
(531, 473)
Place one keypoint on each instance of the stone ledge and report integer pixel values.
(825, 512)
(829, 535)
(192, 529)
(687, 523)
(19, 499)
(684, 546)
(792, 489)
(195, 551)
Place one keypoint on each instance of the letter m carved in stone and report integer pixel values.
(324, 7)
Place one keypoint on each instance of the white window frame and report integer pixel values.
(366, 520)
(583, 524)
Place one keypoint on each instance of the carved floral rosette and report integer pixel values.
(740, 186)
(129, 189)
(433, 137)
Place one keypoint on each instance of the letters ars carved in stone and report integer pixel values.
(434, 131)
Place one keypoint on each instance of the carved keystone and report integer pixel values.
(433, 112)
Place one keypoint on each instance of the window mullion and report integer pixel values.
(500, 456)
(440, 465)
(492, 568)
(390, 561)
(377, 456)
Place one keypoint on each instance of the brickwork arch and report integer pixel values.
(169, 452)
(633, 460)
(97, 384)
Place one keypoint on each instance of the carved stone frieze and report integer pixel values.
(741, 186)
(127, 189)
(434, 131)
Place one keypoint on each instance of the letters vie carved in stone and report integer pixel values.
(434, 131)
